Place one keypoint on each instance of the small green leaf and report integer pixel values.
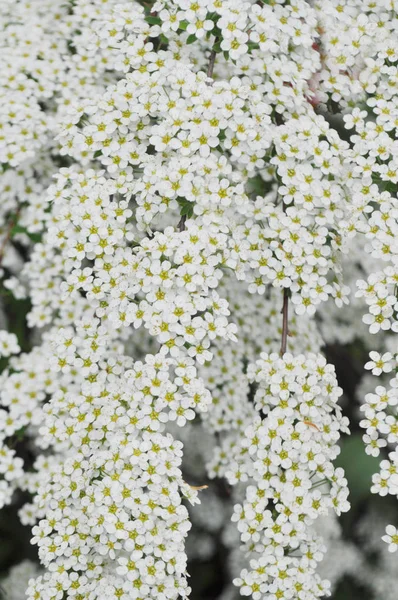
(187, 211)
(18, 229)
(82, 121)
(186, 207)
(153, 20)
(35, 237)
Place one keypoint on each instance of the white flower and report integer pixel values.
(391, 538)
(380, 363)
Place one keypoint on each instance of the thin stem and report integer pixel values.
(7, 237)
(212, 61)
(285, 320)
(318, 483)
(181, 224)
(285, 311)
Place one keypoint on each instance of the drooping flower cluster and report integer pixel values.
(289, 454)
(371, 74)
(381, 424)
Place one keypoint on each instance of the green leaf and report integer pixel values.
(187, 211)
(215, 17)
(253, 46)
(35, 237)
(18, 229)
(153, 20)
(186, 207)
(82, 121)
(191, 38)
(20, 434)
(257, 185)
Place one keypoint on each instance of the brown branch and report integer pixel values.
(181, 224)
(285, 321)
(7, 237)
(212, 62)
(285, 312)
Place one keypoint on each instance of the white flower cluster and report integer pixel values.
(288, 453)
(41, 71)
(352, 34)
(23, 389)
(362, 66)
(381, 424)
(259, 328)
(199, 189)
(8, 344)
(359, 71)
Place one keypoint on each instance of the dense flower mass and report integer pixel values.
(197, 197)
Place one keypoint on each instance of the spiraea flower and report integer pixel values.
(187, 225)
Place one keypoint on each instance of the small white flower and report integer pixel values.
(391, 538)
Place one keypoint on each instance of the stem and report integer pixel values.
(7, 237)
(181, 224)
(321, 482)
(212, 61)
(284, 311)
(285, 319)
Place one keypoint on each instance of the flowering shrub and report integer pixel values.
(197, 197)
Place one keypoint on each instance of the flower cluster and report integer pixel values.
(43, 67)
(381, 424)
(360, 72)
(289, 454)
(201, 185)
